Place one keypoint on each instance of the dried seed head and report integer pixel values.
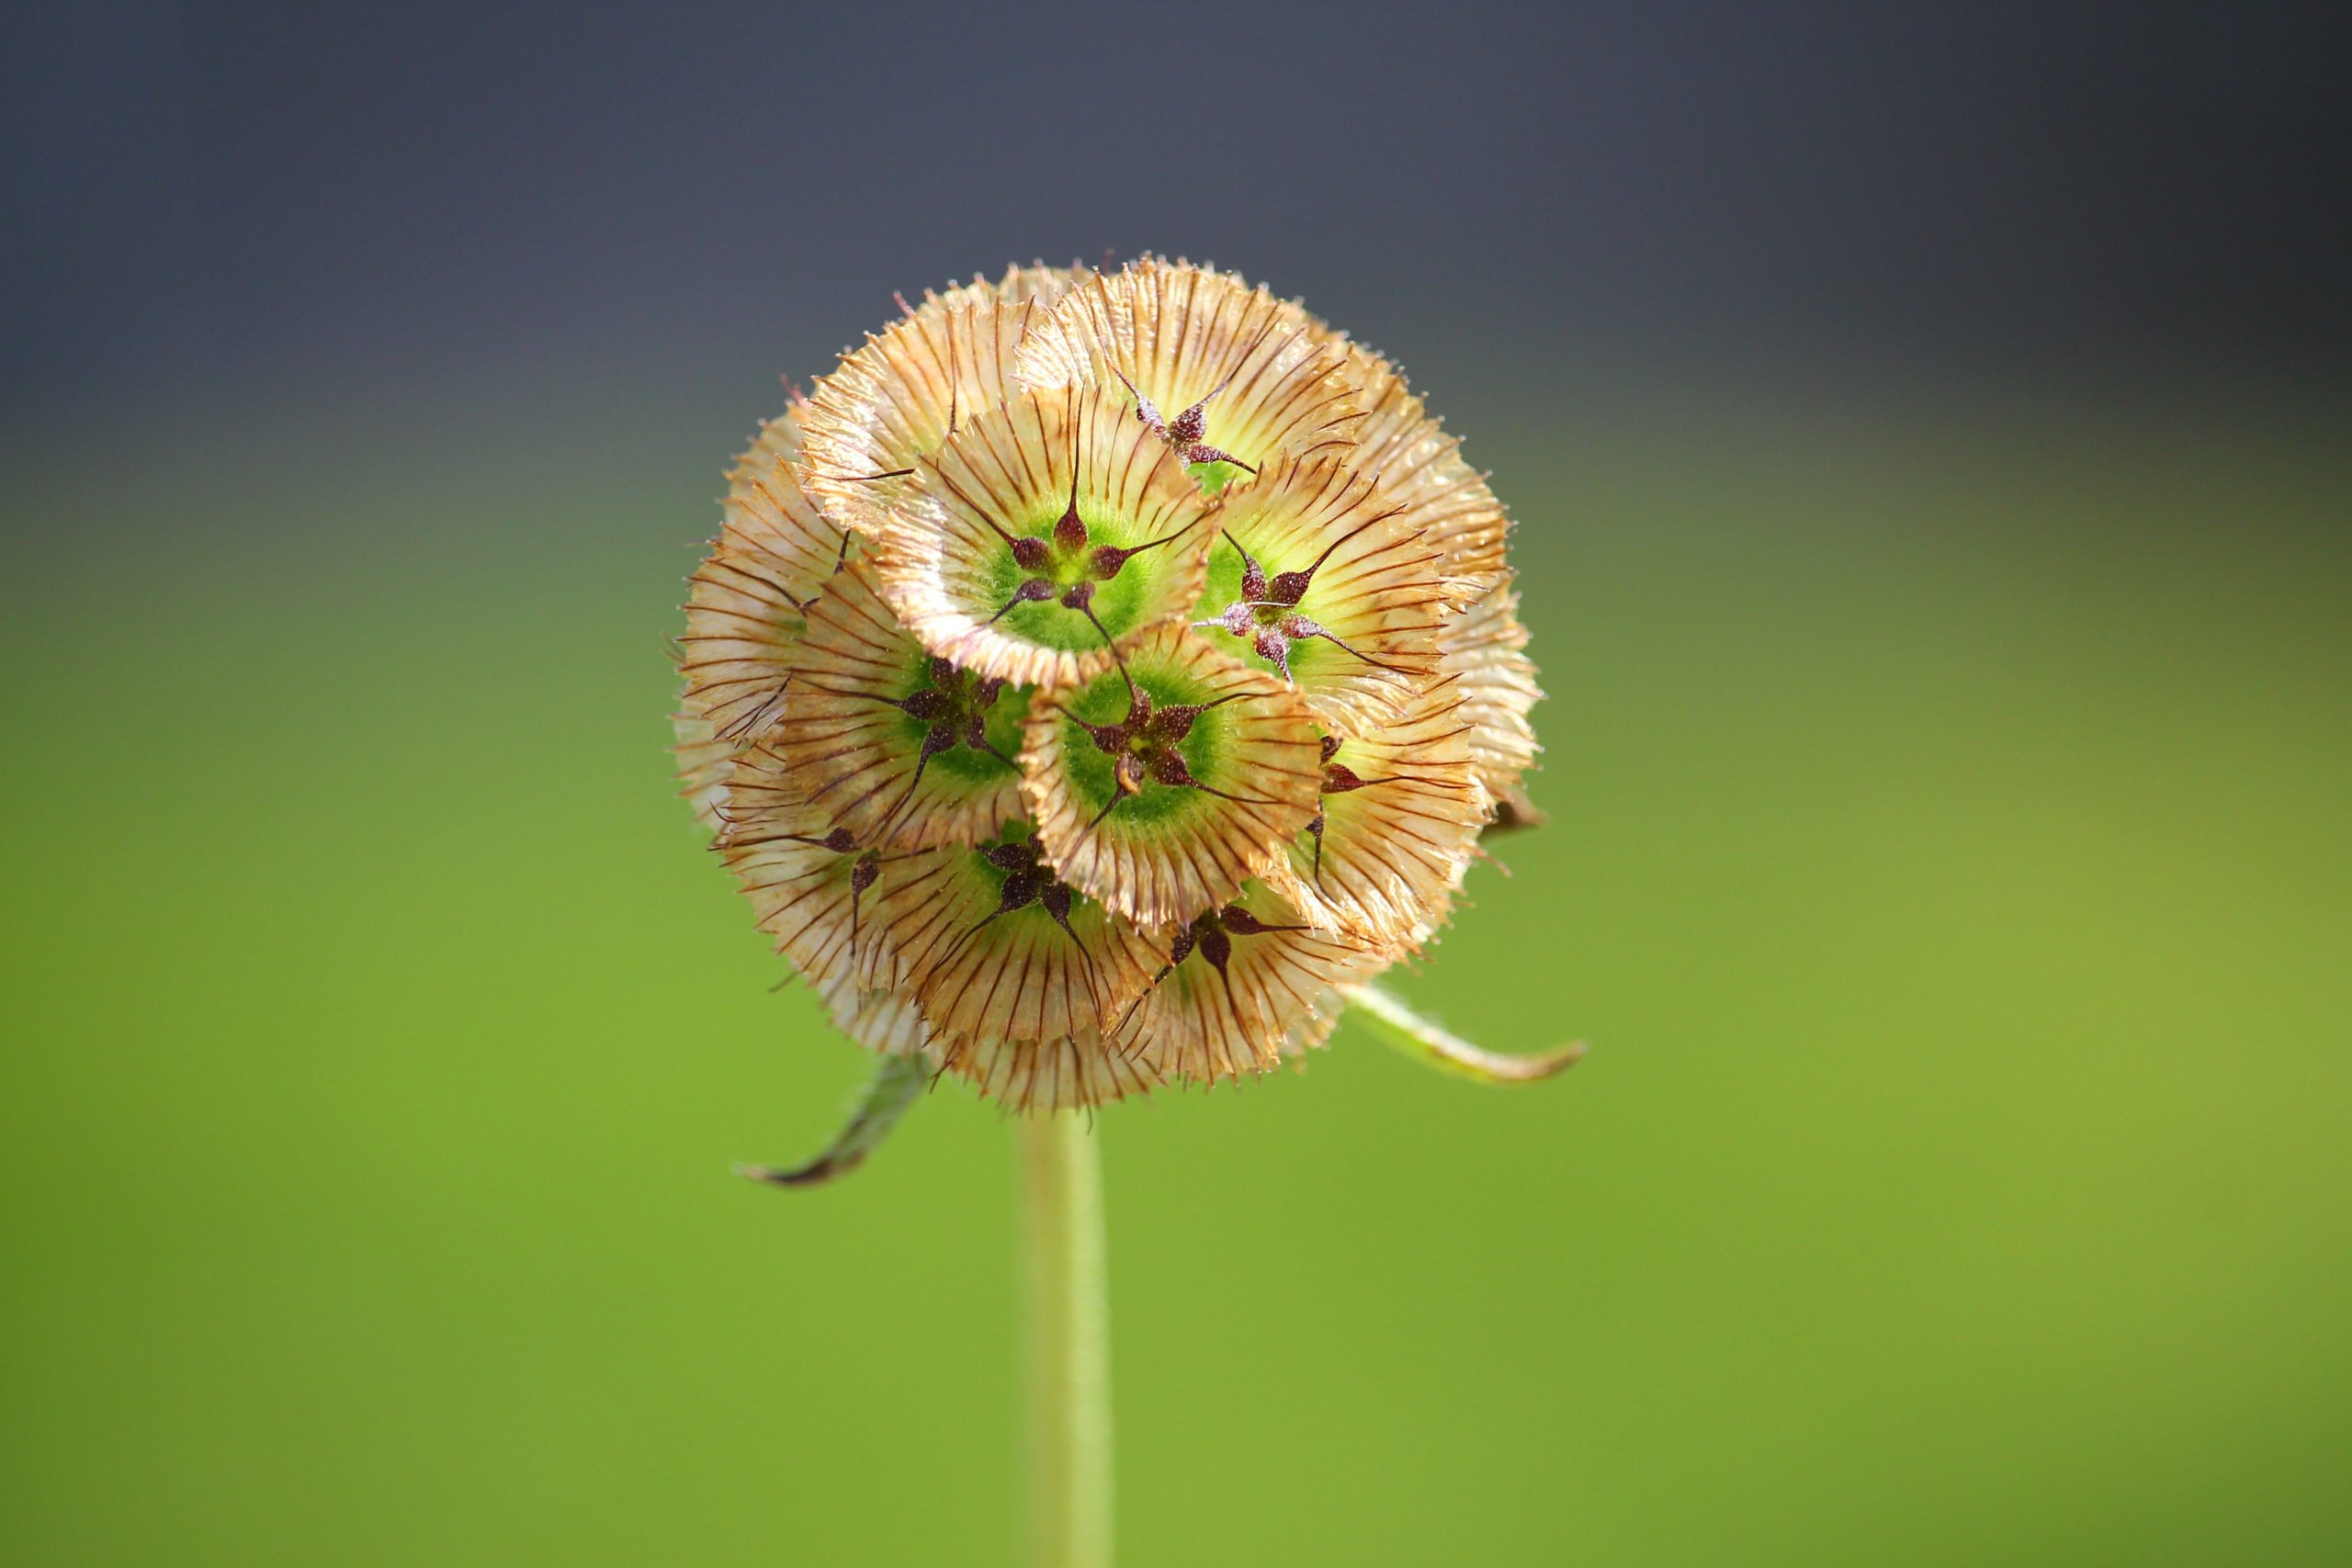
(1047, 1075)
(1098, 676)
(704, 760)
(886, 1023)
(1017, 285)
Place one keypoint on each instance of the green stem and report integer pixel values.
(1069, 1347)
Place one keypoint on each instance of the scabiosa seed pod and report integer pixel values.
(1098, 679)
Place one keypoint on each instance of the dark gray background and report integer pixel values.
(211, 206)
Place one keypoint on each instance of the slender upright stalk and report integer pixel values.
(1069, 1349)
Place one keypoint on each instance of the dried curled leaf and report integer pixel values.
(897, 1083)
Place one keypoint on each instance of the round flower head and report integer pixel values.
(745, 612)
(1312, 578)
(1097, 682)
(1167, 781)
(1225, 373)
(1043, 533)
(894, 743)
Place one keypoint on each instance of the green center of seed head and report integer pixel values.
(1066, 553)
(1213, 476)
(955, 719)
(1152, 749)
(1063, 584)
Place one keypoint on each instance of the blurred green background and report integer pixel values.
(1927, 430)
(1949, 867)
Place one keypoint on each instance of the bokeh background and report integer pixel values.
(1927, 433)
